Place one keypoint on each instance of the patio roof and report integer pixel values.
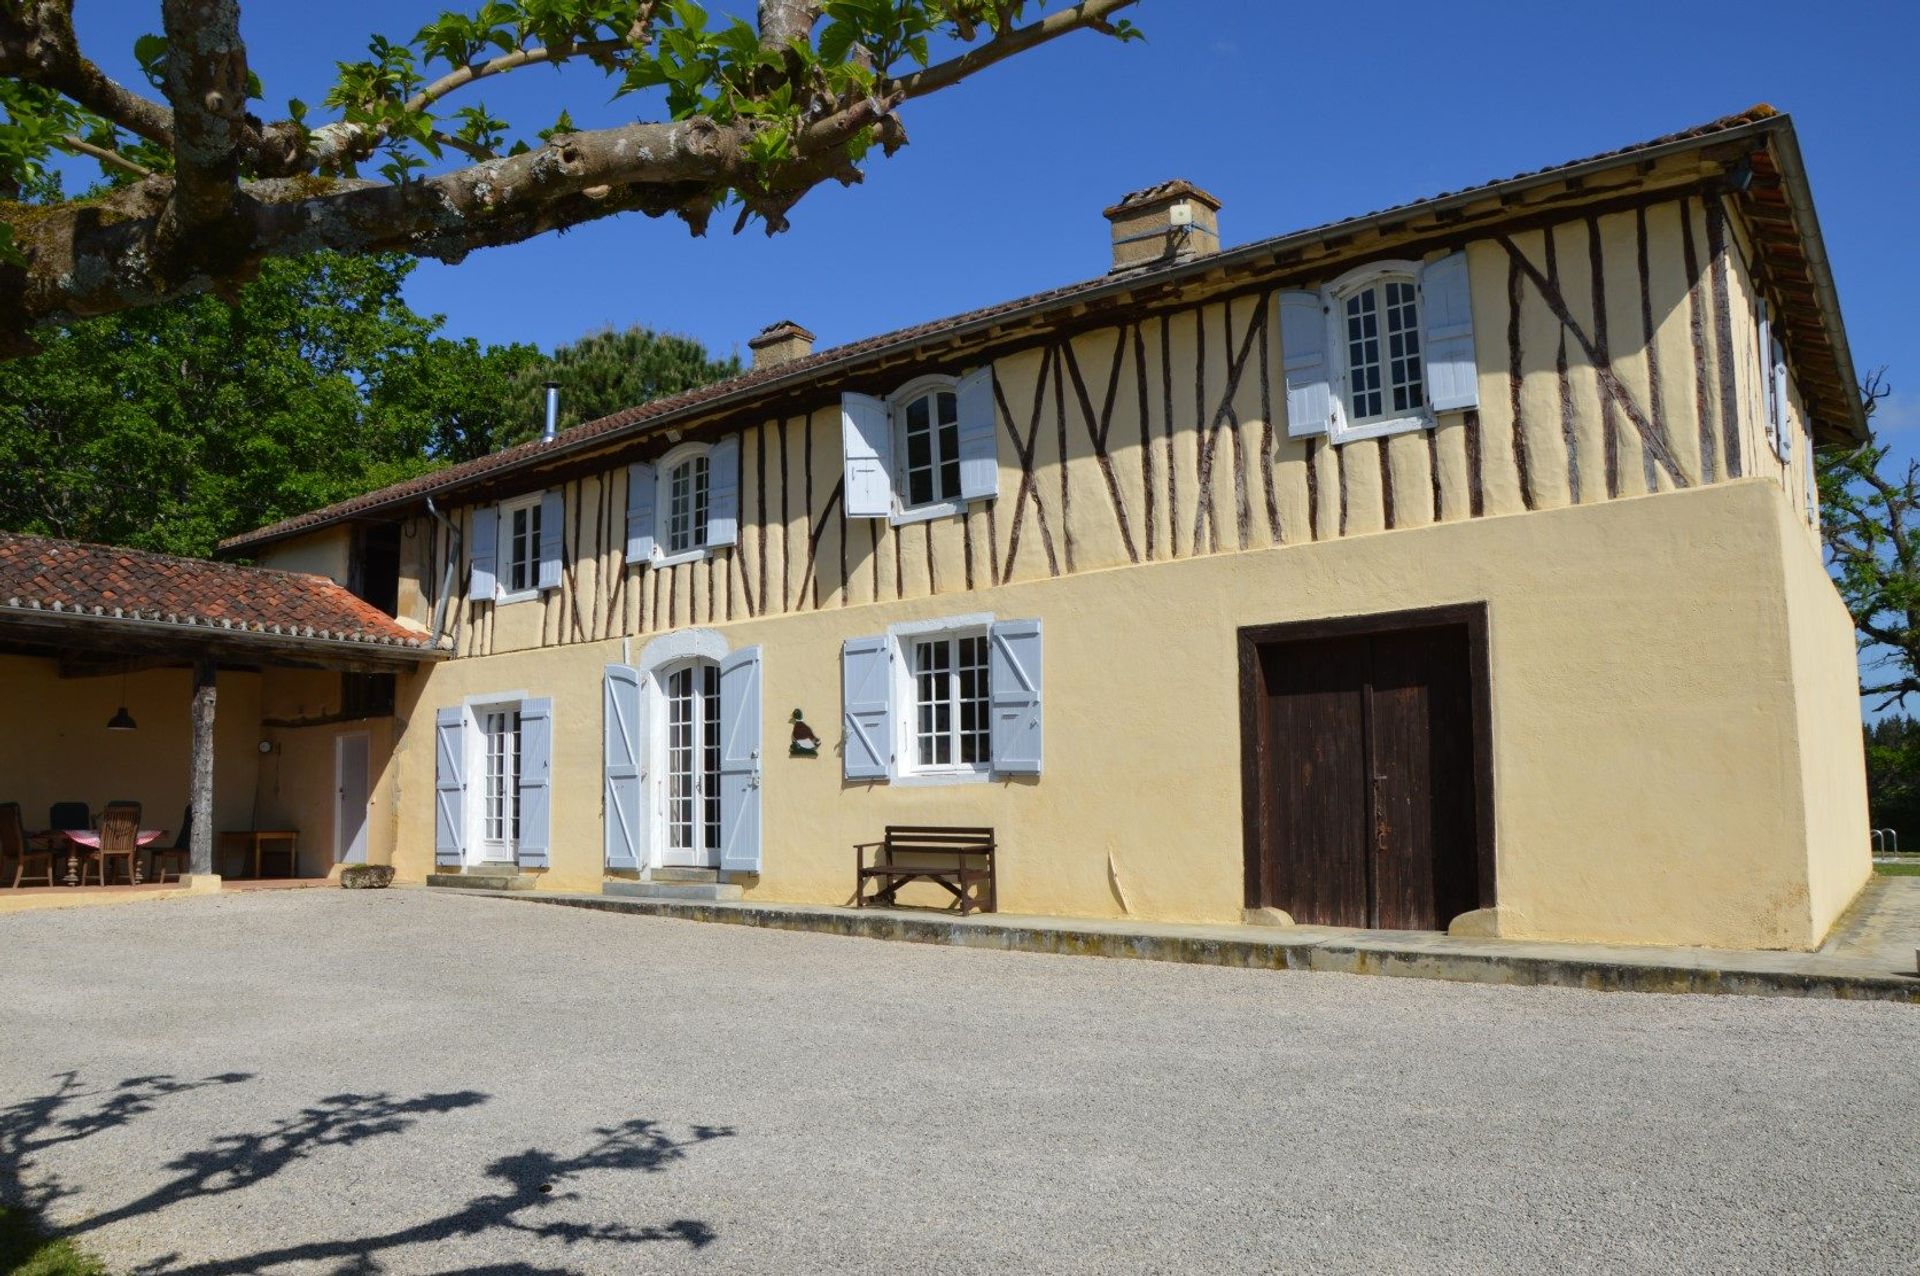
(60, 596)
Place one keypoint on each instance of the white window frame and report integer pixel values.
(663, 506)
(503, 551)
(480, 849)
(897, 404)
(1335, 295)
(904, 768)
(659, 680)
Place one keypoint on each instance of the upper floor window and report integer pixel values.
(930, 435)
(688, 497)
(1383, 348)
(520, 530)
(923, 452)
(684, 505)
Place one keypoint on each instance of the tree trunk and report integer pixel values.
(201, 849)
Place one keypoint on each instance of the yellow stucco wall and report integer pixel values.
(54, 745)
(1649, 724)
(322, 553)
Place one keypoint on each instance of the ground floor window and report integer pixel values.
(950, 726)
(693, 761)
(500, 791)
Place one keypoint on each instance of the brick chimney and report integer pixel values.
(781, 342)
(1174, 221)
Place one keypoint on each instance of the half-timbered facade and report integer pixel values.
(1457, 564)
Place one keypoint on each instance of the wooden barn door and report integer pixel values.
(1363, 777)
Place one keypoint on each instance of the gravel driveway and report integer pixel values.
(402, 1081)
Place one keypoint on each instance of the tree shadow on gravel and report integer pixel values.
(530, 1182)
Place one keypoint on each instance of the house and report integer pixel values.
(1456, 565)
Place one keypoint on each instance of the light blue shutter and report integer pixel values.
(723, 492)
(866, 434)
(1446, 314)
(1763, 343)
(866, 698)
(486, 531)
(979, 435)
(1782, 424)
(740, 761)
(553, 523)
(1303, 356)
(1013, 686)
(536, 782)
(640, 493)
(625, 816)
(449, 787)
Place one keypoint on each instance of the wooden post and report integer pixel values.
(201, 848)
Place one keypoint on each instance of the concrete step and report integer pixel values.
(665, 874)
(484, 881)
(707, 890)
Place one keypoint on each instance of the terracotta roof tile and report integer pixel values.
(101, 581)
(689, 402)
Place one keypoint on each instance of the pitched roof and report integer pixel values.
(763, 382)
(130, 586)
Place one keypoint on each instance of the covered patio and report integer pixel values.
(140, 689)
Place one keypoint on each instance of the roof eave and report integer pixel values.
(70, 619)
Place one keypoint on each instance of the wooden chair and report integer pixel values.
(180, 852)
(119, 840)
(13, 846)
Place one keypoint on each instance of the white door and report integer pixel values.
(692, 772)
(350, 799)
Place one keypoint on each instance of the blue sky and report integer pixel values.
(1289, 114)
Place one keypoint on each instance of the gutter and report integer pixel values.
(1110, 286)
(446, 577)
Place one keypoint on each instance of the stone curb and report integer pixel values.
(1473, 962)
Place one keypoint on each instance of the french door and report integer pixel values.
(693, 767)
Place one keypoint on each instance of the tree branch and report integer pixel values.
(1087, 13)
(112, 158)
(37, 43)
(206, 80)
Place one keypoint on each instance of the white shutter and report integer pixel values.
(449, 787)
(1763, 345)
(553, 524)
(1446, 317)
(866, 698)
(1013, 687)
(740, 761)
(640, 496)
(723, 492)
(536, 782)
(979, 435)
(486, 531)
(625, 816)
(866, 431)
(1303, 357)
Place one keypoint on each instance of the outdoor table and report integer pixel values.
(77, 838)
(244, 839)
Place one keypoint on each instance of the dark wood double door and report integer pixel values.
(1366, 770)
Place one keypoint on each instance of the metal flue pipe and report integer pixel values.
(553, 412)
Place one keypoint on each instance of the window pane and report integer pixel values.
(974, 735)
(1363, 355)
(710, 778)
(932, 663)
(920, 459)
(949, 450)
(680, 783)
(1403, 337)
(697, 480)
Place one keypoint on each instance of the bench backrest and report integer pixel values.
(938, 839)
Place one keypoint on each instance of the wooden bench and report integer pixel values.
(958, 859)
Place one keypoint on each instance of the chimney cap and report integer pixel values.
(1166, 192)
(783, 330)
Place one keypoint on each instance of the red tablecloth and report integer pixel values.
(89, 838)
